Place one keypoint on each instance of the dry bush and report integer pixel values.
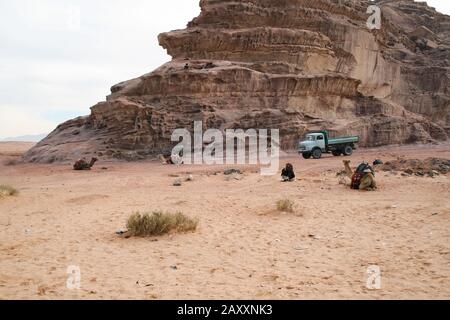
(285, 205)
(6, 191)
(159, 223)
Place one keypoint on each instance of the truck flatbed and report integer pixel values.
(343, 140)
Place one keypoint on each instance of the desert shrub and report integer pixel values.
(285, 205)
(159, 223)
(6, 191)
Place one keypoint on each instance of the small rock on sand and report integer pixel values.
(232, 171)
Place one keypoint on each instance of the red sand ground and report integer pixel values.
(243, 249)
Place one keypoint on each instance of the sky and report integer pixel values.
(60, 57)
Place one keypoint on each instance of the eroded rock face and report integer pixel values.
(293, 65)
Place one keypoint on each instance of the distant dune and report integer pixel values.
(14, 148)
(28, 138)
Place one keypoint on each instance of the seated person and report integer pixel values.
(288, 173)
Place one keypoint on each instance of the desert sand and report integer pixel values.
(243, 249)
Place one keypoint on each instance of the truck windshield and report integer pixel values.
(310, 138)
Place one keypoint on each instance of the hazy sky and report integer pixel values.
(59, 57)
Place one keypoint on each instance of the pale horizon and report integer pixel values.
(61, 59)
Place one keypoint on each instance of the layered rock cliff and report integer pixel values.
(293, 65)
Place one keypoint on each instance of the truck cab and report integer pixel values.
(314, 140)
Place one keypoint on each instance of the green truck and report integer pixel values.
(318, 142)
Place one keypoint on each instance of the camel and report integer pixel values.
(83, 165)
(361, 180)
(165, 159)
(171, 159)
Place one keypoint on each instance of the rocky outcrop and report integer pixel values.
(293, 65)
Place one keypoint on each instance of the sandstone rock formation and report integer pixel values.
(293, 65)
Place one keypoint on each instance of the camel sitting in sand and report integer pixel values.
(362, 179)
(83, 165)
(171, 159)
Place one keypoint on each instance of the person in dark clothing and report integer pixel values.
(287, 174)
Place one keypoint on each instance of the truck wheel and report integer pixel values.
(337, 153)
(317, 154)
(348, 151)
(306, 155)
